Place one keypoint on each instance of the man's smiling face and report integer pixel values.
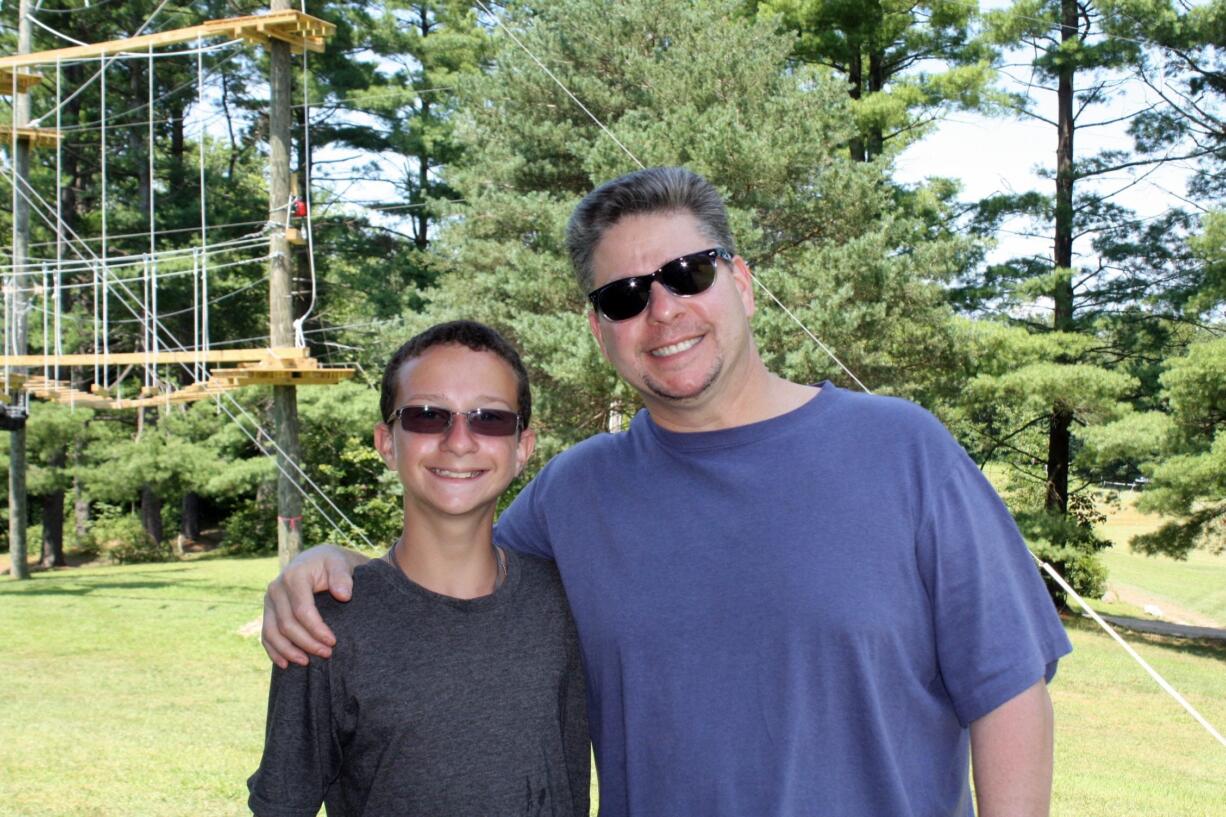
(679, 352)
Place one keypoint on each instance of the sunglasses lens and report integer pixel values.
(493, 422)
(431, 420)
(625, 298)
(424, 419)
(689, 275)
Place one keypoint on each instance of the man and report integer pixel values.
(790, 599)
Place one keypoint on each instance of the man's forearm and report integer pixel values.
(1011, 752)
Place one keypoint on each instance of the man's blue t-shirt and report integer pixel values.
(795, 617)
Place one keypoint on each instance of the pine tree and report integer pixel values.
(819, 229)
(906, 64)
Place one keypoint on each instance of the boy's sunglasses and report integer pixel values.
(434, 420)
(688, 275)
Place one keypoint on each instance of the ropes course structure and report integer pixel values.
(38, 286)
(87, 270)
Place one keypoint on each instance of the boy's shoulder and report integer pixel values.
(535, 568)
(371, 592)
(539, 579)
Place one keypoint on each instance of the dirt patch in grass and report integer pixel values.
(1149, 602)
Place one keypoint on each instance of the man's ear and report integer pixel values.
(385, 444)
(524, 449)
(743, 278)
(593, 323)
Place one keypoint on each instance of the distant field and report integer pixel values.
(129, 691)
(1197, 584)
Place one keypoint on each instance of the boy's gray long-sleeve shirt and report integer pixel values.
(432, 705)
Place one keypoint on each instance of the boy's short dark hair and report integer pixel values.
(476, 336)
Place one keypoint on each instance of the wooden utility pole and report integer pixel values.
(280, 298)
(18, 546)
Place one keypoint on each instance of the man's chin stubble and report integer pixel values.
(674, 397)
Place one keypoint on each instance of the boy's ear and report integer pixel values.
(524, 449)
(385, 444)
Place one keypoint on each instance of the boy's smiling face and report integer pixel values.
(457, 473)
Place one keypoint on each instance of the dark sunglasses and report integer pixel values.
(434, 420)
(688, 275)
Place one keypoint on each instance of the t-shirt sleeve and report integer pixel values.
(301, 751)
(522, 525)
(997, 630)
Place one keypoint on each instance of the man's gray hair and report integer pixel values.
(653, 190)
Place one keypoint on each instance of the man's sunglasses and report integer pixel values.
(688, 275)
(434, 420)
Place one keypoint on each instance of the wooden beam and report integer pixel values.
(222, 380)
(280, 377)
(25, 81)
(37, 137)
(140, 358)
(301, 31)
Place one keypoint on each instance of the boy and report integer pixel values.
(457, 688)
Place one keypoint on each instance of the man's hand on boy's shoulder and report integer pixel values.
(292, 625)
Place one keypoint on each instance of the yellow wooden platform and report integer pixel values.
(302, 31)
(25, 81)
(37, 137)
(157, 358)
(257, 367)
(281, 372)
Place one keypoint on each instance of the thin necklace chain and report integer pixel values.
(500, 558)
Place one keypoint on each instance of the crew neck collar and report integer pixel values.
(739, 435)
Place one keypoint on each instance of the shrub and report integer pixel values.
(125, 541)
(251, 529)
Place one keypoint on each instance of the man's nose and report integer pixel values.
(663, 304)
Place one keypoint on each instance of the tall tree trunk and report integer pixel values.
(876, 84)
(1058, 438)
(18, 509)
(421, 219)
(151, 513)
(190, 527)
(421, 230)
(53, 516)
(855, 76)
(138, 141)
(53, 530)
(80, 512)
(225, 108)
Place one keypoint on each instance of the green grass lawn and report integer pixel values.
(1123, 746)
(128, 691)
